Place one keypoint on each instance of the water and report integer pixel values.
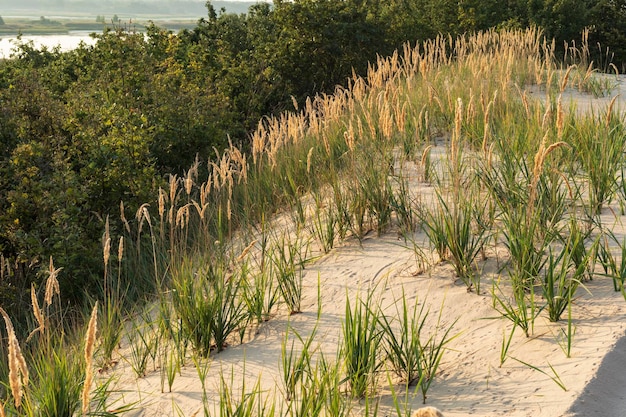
(66, 42)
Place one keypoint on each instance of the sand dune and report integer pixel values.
(471, 381)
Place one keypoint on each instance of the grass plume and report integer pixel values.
(90, 344)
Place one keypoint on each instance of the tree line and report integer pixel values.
(82, 131)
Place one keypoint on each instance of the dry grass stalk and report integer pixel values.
(41, 323)
(458, 119)
(470, 113)
(609, 111)
(188, 183)
(201, 209)
(400, 115)
(182, 216)
(18, 371)
(484, 146)
(456, 137)
(107, 234)
(547, 116)
(90, 343)
(173, 188)
(243, 163)
(553, 147)
(123, 217)
(424, 162)
(370, 124)
(539, 158)
(120, 249)
(170, 218)
(52, 284)
(191, 174)
(106, 256)
(106, 252)
(141, 215)
(348, 137)
(559, 118)
(161, 203)
(309, 157)
(205, 190)
(246, 250)
(386, 121)
(566, 78)
(258, 142)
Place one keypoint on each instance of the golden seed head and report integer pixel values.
(188, 183)
(204, 191)
(458, 120)
(18, 372)
(161, 202)
(566, 78)
(547, 116)
(244, 168)
(173, 188)
(107, 234)
(107, 251)
(37, 313)
(120, 249)
(90, 342)
(425, 155)
(539, 157)
(326, 143)
(146, 213)
(52, 284)
(559, 118)
(182, 216)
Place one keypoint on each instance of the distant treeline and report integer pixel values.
(82, 131)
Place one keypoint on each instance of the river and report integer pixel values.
(66, 42)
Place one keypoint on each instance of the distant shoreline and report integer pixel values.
(86, 11)
(65, 26)
(69, 29)
(95, 17)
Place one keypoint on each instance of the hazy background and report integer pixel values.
(123, 8)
